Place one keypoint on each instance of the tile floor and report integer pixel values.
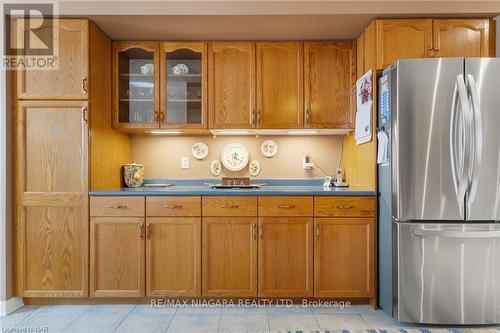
(129, 318)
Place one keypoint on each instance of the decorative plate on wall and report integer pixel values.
(234, 157)
(254, 168)
(200, 150)
(269, 148)
(215, 168)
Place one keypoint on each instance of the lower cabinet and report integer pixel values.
(232, 247)
(285, 257)
(230, 256)
(117, 257)
(343, 260)
(173, 256)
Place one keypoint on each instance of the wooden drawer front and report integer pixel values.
(286, 206)
(344, 206)
(117, 206)
(173, 206)
(230, 206)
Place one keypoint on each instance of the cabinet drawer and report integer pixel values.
(230, 206)
(286, 206)
(173, 206)
(117, 206)
(344, 206)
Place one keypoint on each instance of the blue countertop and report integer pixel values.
(271, 187)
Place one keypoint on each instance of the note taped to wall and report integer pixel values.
(364, 102)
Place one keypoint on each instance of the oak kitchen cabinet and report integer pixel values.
(51, 199)
(136, 77)
(424, 38)
(173, 246)
(233, 246)
(183, 82)
(462, 38)
(70, 81)
(283, 271)
(230, 246)
(117, 246)
(280, 102)
(329, 74)
(232, 85)
(344, 247)
(51, 141)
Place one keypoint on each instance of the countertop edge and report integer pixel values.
(232, 193)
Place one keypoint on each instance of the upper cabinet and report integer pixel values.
(329, 74)
(280, 85)
(402, 39)
(135, 84)
(232, 85)
(461, 38)
(183, 85)
(425, 38)
(70, 80)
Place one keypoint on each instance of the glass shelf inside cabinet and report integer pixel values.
(184, 87)
(136, 86)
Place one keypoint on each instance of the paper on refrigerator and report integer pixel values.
(364, 101)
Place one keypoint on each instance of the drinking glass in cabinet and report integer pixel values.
(184, 87)
(136, 86)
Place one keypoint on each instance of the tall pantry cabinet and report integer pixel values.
(55, 112)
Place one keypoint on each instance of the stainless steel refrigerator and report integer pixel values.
(439, 191)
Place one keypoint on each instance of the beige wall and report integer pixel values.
(161, 156)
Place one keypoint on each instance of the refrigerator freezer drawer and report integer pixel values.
(448, 273)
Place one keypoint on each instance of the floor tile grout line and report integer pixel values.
(317, 321)
(27, 316)
(126, 316)
(220, 320)
(78, 317)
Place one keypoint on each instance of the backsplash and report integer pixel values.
(162, 155)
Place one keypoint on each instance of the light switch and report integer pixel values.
(185, 162)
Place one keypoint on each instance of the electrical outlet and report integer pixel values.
(185, 162)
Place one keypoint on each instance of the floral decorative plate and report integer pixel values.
(200, 150)
(215, 168)
(254, 168)
(269, 148)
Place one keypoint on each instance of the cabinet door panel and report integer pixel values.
(173, 256)
(403, 39)
(136, 81)
(330, 72)
(183, 83)
(461, 38)
(285, 257)
(232, 85)
(70, 79)
(117, 257)
(343, 254)
(230, 257)
(280, 85)
(52, 199)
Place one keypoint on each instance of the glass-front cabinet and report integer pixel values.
(183, 85)
(136, 85)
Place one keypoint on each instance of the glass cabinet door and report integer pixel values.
(136, 84)
(183, 80)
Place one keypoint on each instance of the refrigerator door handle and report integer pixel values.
(459, 141)
(477, 135)
(456, 234)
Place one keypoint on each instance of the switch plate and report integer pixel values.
(185, 162)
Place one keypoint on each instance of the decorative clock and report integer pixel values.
(234, 157)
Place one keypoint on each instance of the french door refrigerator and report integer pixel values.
(439, 191)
